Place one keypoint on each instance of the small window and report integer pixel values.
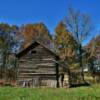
(33, 51)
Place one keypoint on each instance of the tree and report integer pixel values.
(65, 43)
(1, 56)
(7, 42)
(80, 26)
(94, 48)
(4, 33)
(35, 31)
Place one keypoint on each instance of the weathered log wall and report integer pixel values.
(38, 68)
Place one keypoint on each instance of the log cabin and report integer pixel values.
(38, 67)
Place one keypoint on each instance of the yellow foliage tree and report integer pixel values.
(65, 42)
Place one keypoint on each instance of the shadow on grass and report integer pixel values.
(80, 85)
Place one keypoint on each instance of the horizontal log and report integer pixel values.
(42, 76)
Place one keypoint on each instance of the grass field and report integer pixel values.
(80, 93)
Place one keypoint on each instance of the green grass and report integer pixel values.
(80, 93)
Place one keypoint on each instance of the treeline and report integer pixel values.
(68, 40)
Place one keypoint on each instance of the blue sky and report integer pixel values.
(48, 11)
(32, 11)
(89, 7)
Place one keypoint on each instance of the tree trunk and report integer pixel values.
(80, 62)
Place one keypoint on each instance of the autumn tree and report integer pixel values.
(2, 61)
(65, 43)
(7, 42)
(80, 26)
(94, 49)
(35, 31)
(4, 33)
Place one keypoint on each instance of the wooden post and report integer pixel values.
(57, 75)
(17, 71)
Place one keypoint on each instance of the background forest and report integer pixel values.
(68, 41)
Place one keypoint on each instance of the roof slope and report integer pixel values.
(33, 45)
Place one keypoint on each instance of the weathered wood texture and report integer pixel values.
(37, 67)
